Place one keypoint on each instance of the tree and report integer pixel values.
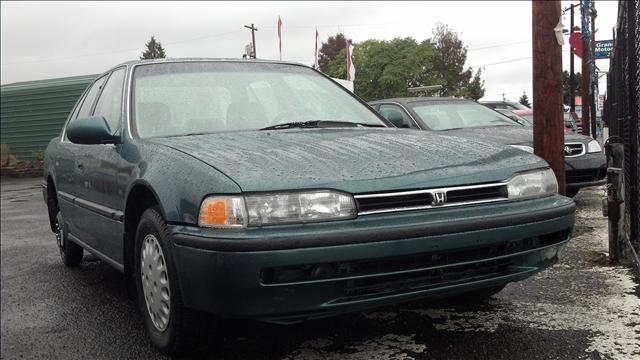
(524, 100)
(475, 88)
(329, 50)
(566, 97)
(154, 50)
(386, 69)
(450, 60)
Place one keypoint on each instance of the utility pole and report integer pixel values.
(548, 129)
(253, 38)
(592, 73)
(572, 79)
(586, 66)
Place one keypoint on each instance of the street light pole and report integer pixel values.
(572, 79)
(548, 127)
(586, 66)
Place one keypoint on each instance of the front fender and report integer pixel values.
(178, 180)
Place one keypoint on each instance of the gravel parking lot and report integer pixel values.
(579, 309)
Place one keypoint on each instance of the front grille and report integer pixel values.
(430, 198)
(426, 279)
(347, 269)
(585, 175)
(573, 149)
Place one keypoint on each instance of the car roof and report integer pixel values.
(417, 99)
(497, 102)
(203, 59)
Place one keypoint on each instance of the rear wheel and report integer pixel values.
(572, 192)
(170, 326)
(70, 252)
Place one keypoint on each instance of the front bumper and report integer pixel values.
(291, 273)
(587, 170)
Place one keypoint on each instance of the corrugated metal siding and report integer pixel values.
(32, 113)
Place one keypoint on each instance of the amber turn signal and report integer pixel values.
(222, 212)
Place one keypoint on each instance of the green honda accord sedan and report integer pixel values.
(264, 190)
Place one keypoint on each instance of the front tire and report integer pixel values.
(572, 192)
(169, 324)
(70, 252)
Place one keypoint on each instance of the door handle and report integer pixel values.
(80, 165)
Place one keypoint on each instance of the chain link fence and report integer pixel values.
(621, 111)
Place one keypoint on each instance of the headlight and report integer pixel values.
(280, 208)
(593, 146)
(526, 148)
(532, 183)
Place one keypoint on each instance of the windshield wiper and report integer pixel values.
(317, 124)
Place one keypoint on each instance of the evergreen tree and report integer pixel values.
(475, 89)
(154, 50)
(524, 100)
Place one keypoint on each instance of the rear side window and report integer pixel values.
(109, 104)
(89, 99)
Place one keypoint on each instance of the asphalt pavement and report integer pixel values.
(581, 308)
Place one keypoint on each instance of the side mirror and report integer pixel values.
(90, 130)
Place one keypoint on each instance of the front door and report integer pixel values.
(103, 189)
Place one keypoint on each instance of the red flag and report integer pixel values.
(315, 64)
(280, 36)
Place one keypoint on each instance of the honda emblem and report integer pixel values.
(439, 198)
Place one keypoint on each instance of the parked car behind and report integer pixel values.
(508, 105)
(526, 114)
(585, 163)
(515, 117)
(264, 190)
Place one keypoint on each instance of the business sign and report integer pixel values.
(604, 49)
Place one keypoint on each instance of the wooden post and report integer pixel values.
(548, 127)
(594, 78)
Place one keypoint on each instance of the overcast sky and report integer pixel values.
(42, 40)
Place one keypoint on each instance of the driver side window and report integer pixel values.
(397, 116)
(109, 104)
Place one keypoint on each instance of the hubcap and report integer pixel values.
(155, 282)
(59, 232)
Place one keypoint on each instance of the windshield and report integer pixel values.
(446, 115)
(171, 99)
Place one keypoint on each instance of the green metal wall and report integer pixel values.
(32, 113)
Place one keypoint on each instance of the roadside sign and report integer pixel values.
(603, 49)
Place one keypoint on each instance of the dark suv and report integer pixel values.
(585, 163)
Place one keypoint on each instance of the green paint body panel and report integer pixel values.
(32, 113)
(94, 184)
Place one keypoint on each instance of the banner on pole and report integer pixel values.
(603, 49)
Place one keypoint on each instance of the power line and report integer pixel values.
(503, 62)
(116, 51)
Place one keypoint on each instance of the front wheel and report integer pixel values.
(169, 324)
(572, 192)
(70, 252)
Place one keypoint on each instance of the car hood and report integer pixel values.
(352, 160)
(508, 135)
